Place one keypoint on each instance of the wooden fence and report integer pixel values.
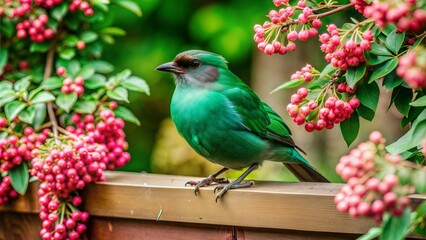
(148, 206)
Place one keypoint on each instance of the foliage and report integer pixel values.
(385, 48)
(60, 119)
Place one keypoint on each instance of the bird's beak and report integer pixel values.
(170, 67)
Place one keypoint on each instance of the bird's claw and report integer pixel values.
(205, 182)
(234, 185)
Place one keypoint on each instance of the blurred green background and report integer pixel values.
(226, 27)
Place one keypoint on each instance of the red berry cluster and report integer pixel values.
(347, 54)
(364, 195)
(307, 73)
(344, 88)
(404, 13)
(36, 29)
(281, 22)
(83, 6)
(20, 10)
(359, 5)
(48, 3)
(6, 190)
(412, 67)
(108, 131)
(75, 86)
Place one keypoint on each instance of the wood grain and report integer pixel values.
(19, 226)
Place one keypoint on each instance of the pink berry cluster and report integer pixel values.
(365, 194)
(307, 73)
(344, 88)
(412, 67)
(36, 30)
(282, 28)
(48, 3)
(7, 192)
(344, 54)
(107, 131)
(16, 10)
(359, 5)
(332, 112)
(75, 86)
(405, 14)
(83, 6)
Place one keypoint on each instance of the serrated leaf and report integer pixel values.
(131, 6)
(101, 66)
(289, 84)
(119, 94)
(396, 228)
(379, 49)
(59, 11)
(19, 176)
(66, 101)
(95, 82)
(394, 41)
(126, 114)
(354, 74)
(373, 59)
(52, 83)
(85, 106)
(137, 84)
(40, 47)
(88, 36)
(12, 109)
(67, 53)
(43, 97)
(86, 72)
(419, 102)
(27, 115)
(350, 128)
(368, 94)
(383, 69)
(40, 114)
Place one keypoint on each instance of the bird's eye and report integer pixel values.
(195, 63)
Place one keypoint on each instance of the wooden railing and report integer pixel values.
(148, 206)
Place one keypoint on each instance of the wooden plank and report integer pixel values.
(19, 226)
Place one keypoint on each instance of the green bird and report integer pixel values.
(224, 121)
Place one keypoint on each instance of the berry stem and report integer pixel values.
(336, 10)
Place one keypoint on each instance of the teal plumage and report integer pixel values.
(226, 122)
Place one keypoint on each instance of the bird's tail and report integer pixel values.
(305, 173)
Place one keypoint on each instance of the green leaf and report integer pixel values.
(396, 228)
(383, 69)
(101, 66)
(394, 41)
(419, 181)
(95, 82)
(59, 11)
(71, 40)
(5, 84)
(412, 138)
(22, 84)
(86, 72)
(66, 101)
(3, 58)
(88, 36)
(85, 106)
(420, 216)
(123, 75)
(389, 28)
(392, 81)
(289, 84)
(329, 68)
(137, 84)
(6, 100)
(12, 109)
(67, 53)
(115, 31)
(40, 47)
(131, 6)
(27, 115)
(354, 74)
(373, 233)
(402, 99)
(365, 112)
(19, 178)
(6, 92)
(127, 115)
(119, 94)
(418, 41)
(420, 102)
(374, 59)
(52, 83)
(368, 94)
(350, 128)
(43, 97)
(379, 49)
(40, 114)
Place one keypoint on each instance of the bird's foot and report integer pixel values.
(206, 182)
(234, 185)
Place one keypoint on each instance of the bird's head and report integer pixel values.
(195, 67)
